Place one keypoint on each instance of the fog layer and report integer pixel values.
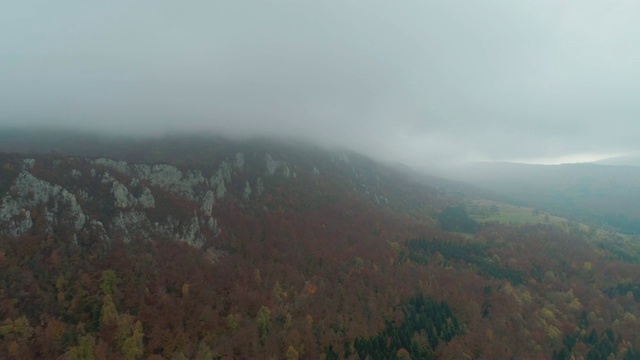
(419, 82)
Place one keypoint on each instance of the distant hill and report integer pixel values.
(629, 160)
(605, 195)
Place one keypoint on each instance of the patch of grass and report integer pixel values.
(488, 211)
(611, 244)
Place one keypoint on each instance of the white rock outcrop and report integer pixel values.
(192, 234)
(29, 192)
(28, 164)
(119, 166)
(272, 166)
(97, 228)
(124, 199)
(131, 224)
(121, 194)
(259, 186)
(213, 226)
(208, 201)
(217, 183)
(146, 199)
(188, 184)
(247, 191)
(32, 200)
(276, 165)
(239, 163)
(226, 171)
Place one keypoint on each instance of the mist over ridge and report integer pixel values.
(421, 82)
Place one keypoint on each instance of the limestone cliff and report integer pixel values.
(107, 198)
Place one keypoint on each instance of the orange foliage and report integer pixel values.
(311, 288)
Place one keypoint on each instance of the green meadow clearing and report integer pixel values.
(490, 211)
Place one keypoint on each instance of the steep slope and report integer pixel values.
(253, 214)
(192, 247)
(147, 198)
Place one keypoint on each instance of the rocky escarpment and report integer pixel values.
(108, 199)
(29, 193)
(105, 199)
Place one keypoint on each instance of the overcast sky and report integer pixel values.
(413, 81)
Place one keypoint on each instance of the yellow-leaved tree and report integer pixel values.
(133, 347)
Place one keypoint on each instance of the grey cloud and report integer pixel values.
(416, 81)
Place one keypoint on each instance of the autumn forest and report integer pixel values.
(202, 249)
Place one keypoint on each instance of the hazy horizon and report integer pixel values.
(420, 83)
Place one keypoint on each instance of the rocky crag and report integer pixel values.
(105, 198)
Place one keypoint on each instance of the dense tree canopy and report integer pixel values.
(314, 269)
(456, 219)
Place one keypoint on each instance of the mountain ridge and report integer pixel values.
(233, 177)
(183, 247)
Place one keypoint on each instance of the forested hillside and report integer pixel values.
(214, 249)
